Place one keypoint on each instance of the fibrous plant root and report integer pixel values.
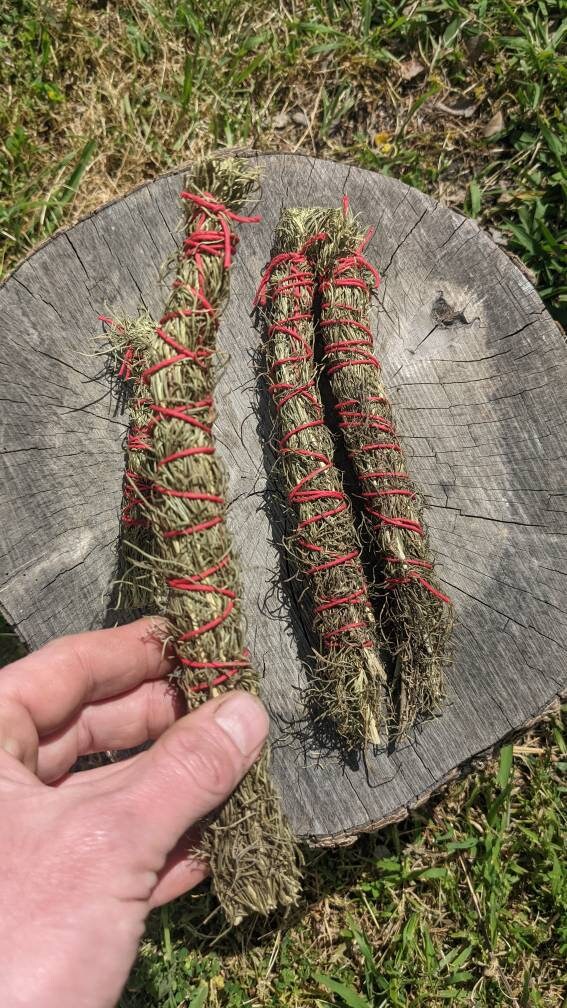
(416, 616)
(349, 680)
(191, 568)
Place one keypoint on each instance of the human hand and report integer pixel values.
(85, 856)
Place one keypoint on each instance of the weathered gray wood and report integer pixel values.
(482, 405)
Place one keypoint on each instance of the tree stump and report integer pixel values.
(477, 372)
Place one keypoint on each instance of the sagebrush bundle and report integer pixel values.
(415, 616)
(347, 685)
(187, 564)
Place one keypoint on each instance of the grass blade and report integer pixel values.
(347, 993)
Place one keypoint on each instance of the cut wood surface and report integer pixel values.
(477, 371)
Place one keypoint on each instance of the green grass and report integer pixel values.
(465, 902)
(104, 95)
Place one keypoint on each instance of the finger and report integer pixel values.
(15, 774)
(121, 722)
(179, 879)
(52, 684)
(18, 733)
(190, 770)
(183, 870)
(95, 775)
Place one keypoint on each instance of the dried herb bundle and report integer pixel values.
(417, 616)
(348, 686)
(191, 569)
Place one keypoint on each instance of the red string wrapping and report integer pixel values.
(348, 351)
(191, 567)
(323, 543)
(193, 309)
(417, 614)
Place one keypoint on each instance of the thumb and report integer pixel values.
(191, 769)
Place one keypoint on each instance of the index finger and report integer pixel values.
(53, 683)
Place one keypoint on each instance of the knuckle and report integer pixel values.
(18, 734)
(203, 761)
(72, 658)
(159, 709)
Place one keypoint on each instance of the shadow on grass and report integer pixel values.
(195, 943)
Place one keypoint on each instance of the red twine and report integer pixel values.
(300, 281)
(358, 352)
(210, 235)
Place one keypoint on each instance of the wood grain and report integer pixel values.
(479, 389)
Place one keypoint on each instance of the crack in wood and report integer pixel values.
(512, 436)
